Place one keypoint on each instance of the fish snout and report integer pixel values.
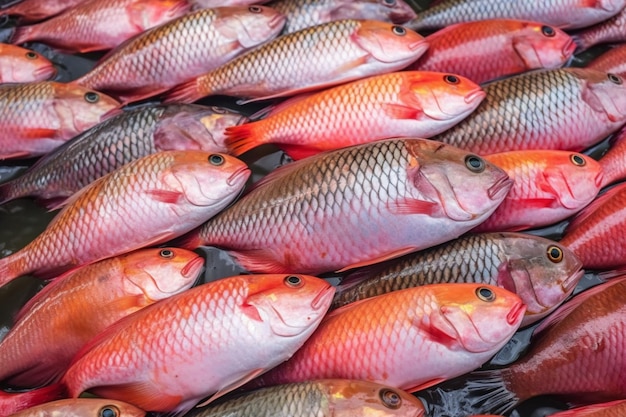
(322, 300)
(516, 313)
(476, 95)
(501, 187)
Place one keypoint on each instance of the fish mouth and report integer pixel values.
(516, 313)
(276, 21)
(193, 267)
(45, 72)
(476, 95)
(570, 283)
(235, 177)
(599, 179)
(569, 48)
(319, 301)
(422, 43)
(501, 187)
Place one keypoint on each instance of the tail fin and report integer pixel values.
(240, 139)
(488, 394)
(7, 192)
(12, 402)
(24, 34)
(184, 93)
(190, 240)
(10, 268)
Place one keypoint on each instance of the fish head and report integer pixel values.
(189, 126)
(483, 317)
(251, 25)
(541, 272)
(542, 46)
(25, 65)
(151, 13)
(159, 273)
(465, 186)
(603, 93)
(89, 407)
(368, 399)
(394, 11)
(389, 43)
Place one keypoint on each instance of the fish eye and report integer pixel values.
(293, 281)
(485, 294)
(31, 55)
(451, 79)
(255, 9)
(216, 159)
(109, 411)
(166, 253)
(398, 30)
(390, 398)
(474, 163)
(578, 160)
(615, 79)
(92, 97)
(548, 31)
(389, 3)
(555, 254)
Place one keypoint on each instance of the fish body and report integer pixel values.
(146, 202)
(400, 104)
(410, 339)
(117, 141)
(609, 31)
(82, 407)
(310, 59)
(38, 117)
(76, 306)
(356, 206)
(613, 61)
(564, 109)
(541, 272)
(20, 65)
(302, 14)
(321, 398)
(613, 162)
(549, 186)
(615, 408)
(207, 340)
(565, 14)
(96, 25)
(489, 49)
(30, 11)
(178, 51)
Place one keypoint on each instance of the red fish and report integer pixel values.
(20, 65)
(83, 407)
(611, 409)
(30, 11)
(613, 162)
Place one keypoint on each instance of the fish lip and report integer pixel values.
(418, 44)
(192, 267)
(599, 179)
(475, 95)
(319, 300)
(234, 177)
(570, 283)
(569, 48)
(276, 21)
(516, 313)
(503, 185)
(48, 71)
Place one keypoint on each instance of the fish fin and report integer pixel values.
(258, 260)
(425, 385)
(486, 391)
(190, 240)
(143, 394)
(414, 206)
(357, 277)
(595, 103)
(251, 311)
(247, 377)
(52, 204)
(278, 172)
(7, 192)
(612, 274)
(240, 139)
(23, 400)
(187, 92)
(400, 112)
(385, 257)
(14, 155)
(599, 201)
(42, 373)
(165, 196)
(41, 295)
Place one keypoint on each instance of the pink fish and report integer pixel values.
(612, 30)
(30, 11)
(20, 65)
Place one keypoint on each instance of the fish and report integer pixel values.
(83, 407)
(399, 104)
(55, 324)
(613, 162)
(355, 206)
(564, 109)
(615, 408)
(608, 31)
(576, 354)
(13, 402)
(490, 49)
(541, 272)
(302, 14)
(411, 339)
(203, 342)
(310, 59)
(209, 4)
(321, 398)
(30, 11)
(21, 65)
(96, 25)
(36, 118)
(180, 50)
(146, 202)
(549, 186)
(117, 141)
(565, 14)
(613, 61)
(595, 234)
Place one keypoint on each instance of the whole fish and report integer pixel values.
(541, 272)
(12, 402)
(146, 202)
(566, 14)
(310, 59)
(322, 398)
(548, 187)
(20, 65)
(117, 141)
(36, 118)
(83, 407)
(613, 162)
(564, 109)
(578, 355)
(613, 60)
(96, 25)
(53, 326)
(489, 49)
(205, 341)
(399, 104)
(356, 206)
(30, 11)
(595, 234)
(178, 51)
(302, 14)
(411, 339)
(609, 31)
(610, 409)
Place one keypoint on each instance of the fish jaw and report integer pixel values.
(383, 44)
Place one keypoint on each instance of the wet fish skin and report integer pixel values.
(609, 31)
(400, 104)
(613, 162)
(31, 11)
(490, 49)
(541, 272)
(82, 407)
(195, 43)
(356, 206)
(321, 398)
(117, 141)
(565, 109)
(613, 61)
(207, 340)
(146, 202)
(21, 65)
(307, 60)
(302, 14)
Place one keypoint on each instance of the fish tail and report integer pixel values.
(17, 401)
(11, 268)
(240, 139)
(24, 34)
(487, 392)
(191, 240)
(184, 93)
(7, 192)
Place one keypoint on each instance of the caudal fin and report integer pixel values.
(184, 93)
(487, 393)
(191, 240)
(12, 402)
(240, 139)
(10, 268)
(7, 192)
(24, 34)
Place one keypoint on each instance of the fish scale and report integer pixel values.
(609, 31)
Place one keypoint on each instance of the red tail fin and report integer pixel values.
(184, 93)
(240, 139)
(11, 403)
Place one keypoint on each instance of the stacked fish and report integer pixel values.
(386, 256)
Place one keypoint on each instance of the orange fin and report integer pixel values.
(400, 112)
(184, 93)
(16, 155)
(165, 196)
(142, 394)
(259, 260)
(41, 295)
(240, 139)
(412, 206)
(382, 258)
(425, 385)
(247, 377)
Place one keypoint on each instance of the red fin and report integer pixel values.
(355, 278)
(400, 112)
(6, 192)
(165, 196)
(249, 376)
(142, 394)
(251, 311)
(425, 385)
(184, 93)
(612, 274)
(410, 206)
(259, 260)
(240, 139)
(11, 403)
(385, 257)
(14, 155)
(191, 240)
